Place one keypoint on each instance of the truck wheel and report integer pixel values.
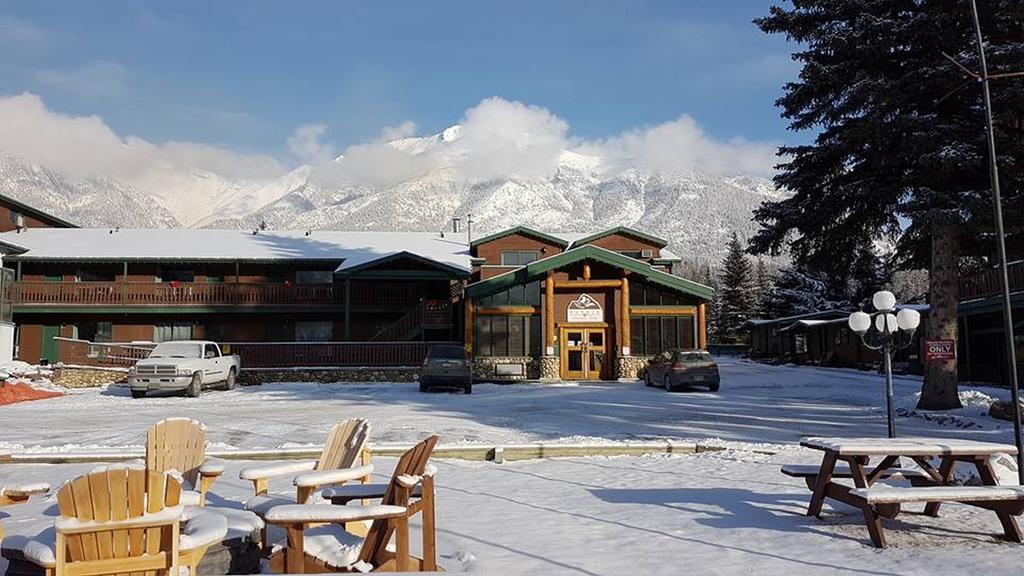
(668, 385)
(468, 388)
(231, 383)
(647, 379)
(138, 393)
(195, 387)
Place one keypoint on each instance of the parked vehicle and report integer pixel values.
(187, 366)
(677, 369)
(447, 366)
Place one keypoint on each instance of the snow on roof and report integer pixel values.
(349, 248)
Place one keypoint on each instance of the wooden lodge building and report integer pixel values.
(526, 304)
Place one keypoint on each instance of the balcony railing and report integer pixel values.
(35, 293)
(988, 283)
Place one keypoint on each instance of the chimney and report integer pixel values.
(456, 225)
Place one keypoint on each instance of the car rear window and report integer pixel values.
(447, 352)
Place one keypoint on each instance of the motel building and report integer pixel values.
(526, 304)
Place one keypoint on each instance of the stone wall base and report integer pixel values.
(328, 375)
(630, 366)
(506, 368)
(86, 377)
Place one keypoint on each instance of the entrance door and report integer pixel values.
(49, 347)
(583, 353)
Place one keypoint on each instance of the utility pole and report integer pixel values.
(997, 203)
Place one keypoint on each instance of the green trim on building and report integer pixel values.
(625, 230)
(519, 230)
(586, 252)
(357, 270)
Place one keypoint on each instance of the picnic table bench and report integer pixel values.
(929, 484)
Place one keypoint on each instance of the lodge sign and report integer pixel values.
(584, 309)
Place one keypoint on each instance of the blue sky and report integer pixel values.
(245, 75)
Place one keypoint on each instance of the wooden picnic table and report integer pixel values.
(857, 453)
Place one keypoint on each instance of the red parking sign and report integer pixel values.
(939, 350)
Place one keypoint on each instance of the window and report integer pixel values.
(800, 343)
(522, 295)
(94, 331)
(314, 277)
(632, 253)
(177, 275)
(167, 331)
(210, 351)
(649, 335)
(518, 257)
(314, 331)
(507, 336)
(14, 216)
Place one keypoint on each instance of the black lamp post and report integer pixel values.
(889, 332)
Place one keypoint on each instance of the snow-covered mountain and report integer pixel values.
(695, 211)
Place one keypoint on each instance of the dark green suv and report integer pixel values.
(447, 366)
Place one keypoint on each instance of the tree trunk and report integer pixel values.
(939, 390)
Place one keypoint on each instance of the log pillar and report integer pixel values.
(624, 330)
(468, 324)
(702, 326)
(586, 270)
(549, 315)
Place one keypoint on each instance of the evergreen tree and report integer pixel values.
(736, 303)
(797, 291)
(763, 282)
(870, 274)
(894, 136)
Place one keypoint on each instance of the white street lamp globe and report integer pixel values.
(883, 321)
(908, 319)
(884, 301)
(859, 322)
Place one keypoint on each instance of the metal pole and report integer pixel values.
(887, 353)
(1001, 245)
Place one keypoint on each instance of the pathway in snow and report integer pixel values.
(757, 404)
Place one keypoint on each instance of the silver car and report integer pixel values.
(680, 369)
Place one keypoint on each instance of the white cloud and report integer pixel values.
(16, 33)
(406, 129)
(680, 146)
(305, 143)
(98, 78)
(81, 146)
(502, 138)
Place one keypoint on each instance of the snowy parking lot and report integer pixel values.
(757, 404)
(728, 512)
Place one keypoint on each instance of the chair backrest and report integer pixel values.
(345, 443)
(177, 444)
(110, 495)
(412, 463)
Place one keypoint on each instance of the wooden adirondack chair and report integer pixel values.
(178, 445)
(345, 458)
(318, 543)
(118, 521)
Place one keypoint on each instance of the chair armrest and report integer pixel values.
(272, 470)
(25, 490)
(411, 480)
(317, 513)
(212, 467)
(324, 477)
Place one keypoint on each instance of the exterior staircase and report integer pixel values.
(426, 315)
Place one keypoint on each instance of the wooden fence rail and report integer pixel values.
(988, 283)
(258, 354)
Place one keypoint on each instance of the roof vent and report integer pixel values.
(309, 232)
(456, 225)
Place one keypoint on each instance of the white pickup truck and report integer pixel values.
(184, 365)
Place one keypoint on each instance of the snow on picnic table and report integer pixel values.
(757, 404)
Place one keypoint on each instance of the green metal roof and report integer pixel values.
(524, 274)
(520, 230)
(626, 230)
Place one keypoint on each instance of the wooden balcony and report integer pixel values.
(989, 284)
(213, 294)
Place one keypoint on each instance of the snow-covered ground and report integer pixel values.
(728, 512)
(712, 513)
(757, 404)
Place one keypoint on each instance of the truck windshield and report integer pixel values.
(177, 350)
